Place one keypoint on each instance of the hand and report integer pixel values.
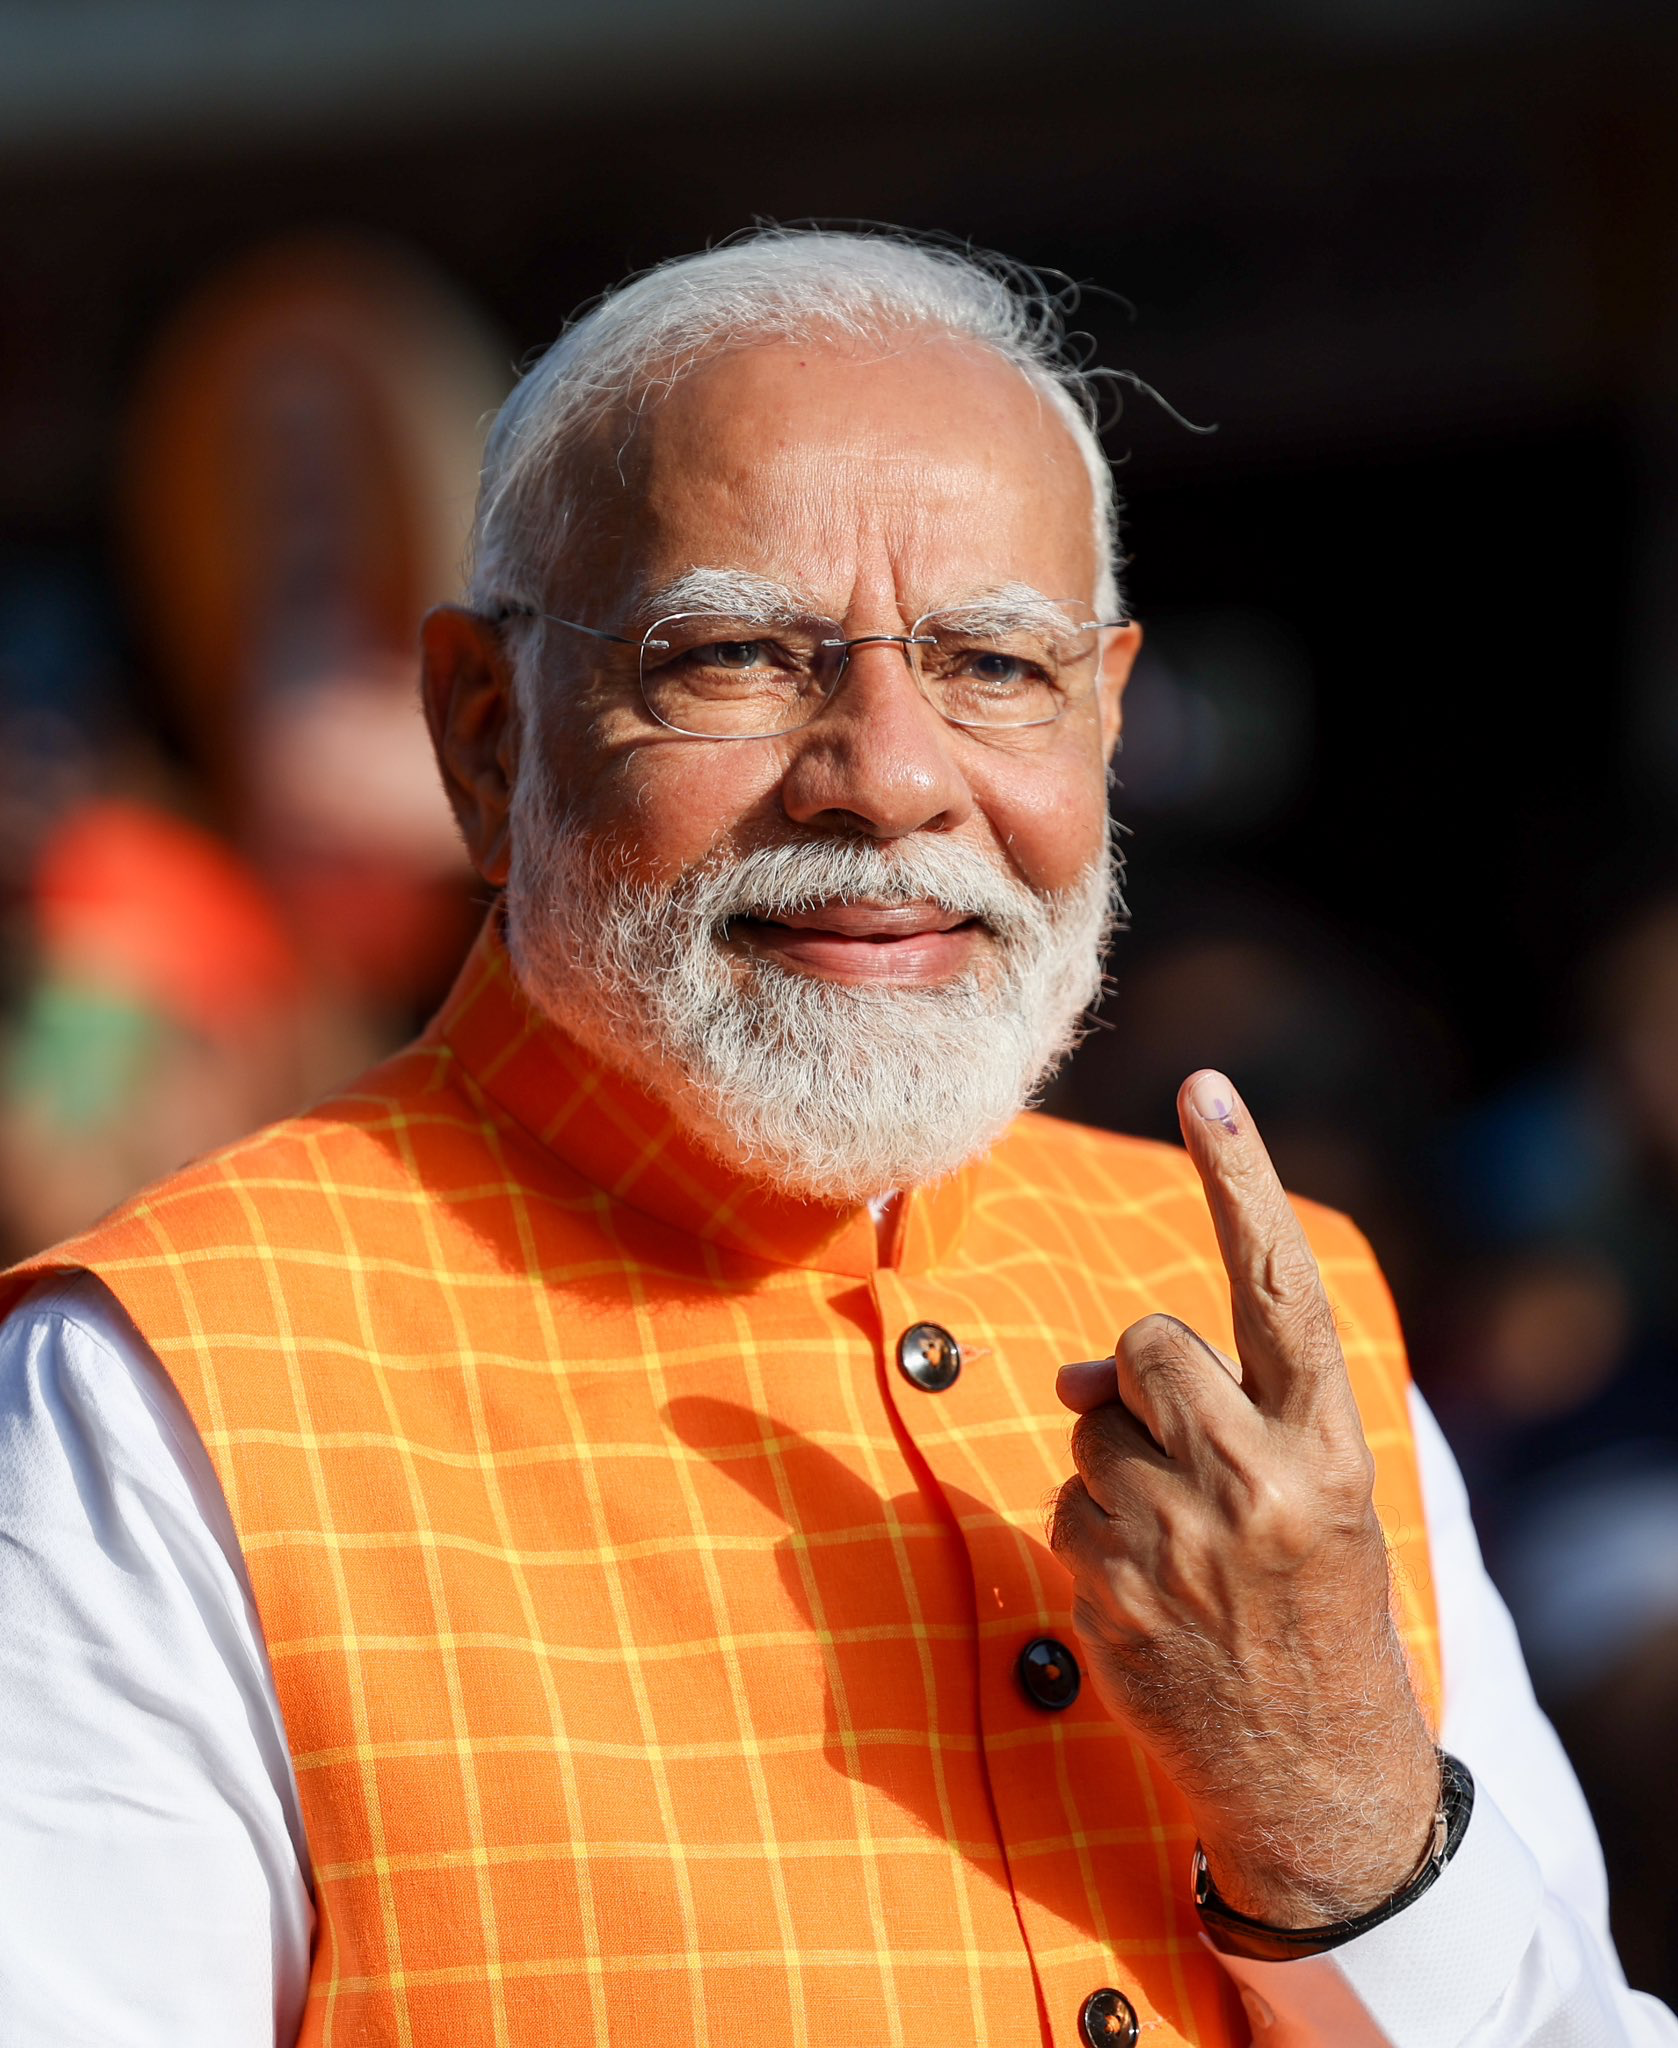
(1232, 1595)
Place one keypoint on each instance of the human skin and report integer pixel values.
(883, 486)
(1231, 1576)
(1230, 1588)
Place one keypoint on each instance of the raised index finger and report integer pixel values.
(1284, 1327)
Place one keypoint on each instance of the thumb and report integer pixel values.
(1087, 1383)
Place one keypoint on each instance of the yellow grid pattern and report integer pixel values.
(645, 1640)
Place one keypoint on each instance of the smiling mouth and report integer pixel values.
(877, 922)
(903, 943)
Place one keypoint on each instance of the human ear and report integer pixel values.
(1119, 654)
(471, 710)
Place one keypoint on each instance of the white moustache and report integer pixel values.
(774, 881)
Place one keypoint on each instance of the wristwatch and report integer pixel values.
(1236, 1934)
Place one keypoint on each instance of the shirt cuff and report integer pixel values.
(1423, 1979)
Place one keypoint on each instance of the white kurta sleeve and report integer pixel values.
(154, 1888)
(1510, 1947)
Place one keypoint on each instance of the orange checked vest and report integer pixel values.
(647, 1638)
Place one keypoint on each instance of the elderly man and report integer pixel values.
(548, 1545)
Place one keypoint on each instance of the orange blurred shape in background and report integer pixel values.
(134, 901)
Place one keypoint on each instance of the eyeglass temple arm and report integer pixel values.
(503, 612)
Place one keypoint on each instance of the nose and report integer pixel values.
(878, 759)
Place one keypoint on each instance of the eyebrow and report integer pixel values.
(1011, 608)
(761, 600)
(737, 593)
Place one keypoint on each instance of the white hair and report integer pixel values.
(826, 1091)
(791, 284)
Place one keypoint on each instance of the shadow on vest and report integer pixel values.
(1034, 1782)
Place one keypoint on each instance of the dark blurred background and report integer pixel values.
(1401, 769)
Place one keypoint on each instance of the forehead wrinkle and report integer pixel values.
(838, 521)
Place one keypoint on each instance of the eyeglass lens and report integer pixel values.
(719, 677)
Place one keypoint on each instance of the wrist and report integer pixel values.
(1340, 1832)
(1264, 1939)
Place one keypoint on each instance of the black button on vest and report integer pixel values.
(1050, 1675)
(1107, 2019)
(929, 1357)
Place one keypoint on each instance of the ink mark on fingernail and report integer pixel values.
(1219, 1112)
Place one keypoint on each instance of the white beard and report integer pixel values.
(822, 1089)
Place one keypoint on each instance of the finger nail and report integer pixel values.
(1213, 1101)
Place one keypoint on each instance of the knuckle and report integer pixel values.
(1349, 1485)
(1063, 1515)
(1089, 1617)
(1143, 1335)
(1290, 1517)
(1288, 1277)
(1110, 1615)
(1099, 1619)
(1243, 1489)
(1322, 1326)
(1290, 1303)
(1284, 1519)
(1093, 1449)
(1179, 1568)
(1342, 1465)
(1149, 1327)
(1159, 1354)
